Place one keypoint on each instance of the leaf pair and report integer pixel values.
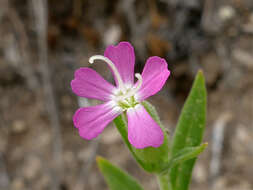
(118, 179)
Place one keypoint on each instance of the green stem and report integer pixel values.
(163, 181)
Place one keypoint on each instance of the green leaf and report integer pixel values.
(185, 154)
(116, 178)
(151, 159)
(189, 132)
(188, 153)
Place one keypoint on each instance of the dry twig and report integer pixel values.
(217, 144)
(4, 178)
(40, 13)
(83, 176)
(137, 29)
(23, 43)
(207, 21)
(4, 130)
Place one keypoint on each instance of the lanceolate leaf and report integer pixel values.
(116, 178)
(189, 132)
(184, 155)
(188, 153)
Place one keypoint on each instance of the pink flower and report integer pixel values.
(126, 96)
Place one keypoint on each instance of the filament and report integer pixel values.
(112, 66)
(137, 87)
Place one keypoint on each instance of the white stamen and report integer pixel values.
(139, 77)
(134, 90)
(112, 66)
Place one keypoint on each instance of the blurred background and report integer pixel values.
(43, 42)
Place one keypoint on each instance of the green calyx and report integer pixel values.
(128, 103)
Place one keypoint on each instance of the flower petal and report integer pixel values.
(123, 57)
(154, 76)
(91, 121)
(143, 131)
(89, 84)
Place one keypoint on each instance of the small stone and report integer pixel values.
(212, 67)
(43, 139)
(243, 57)
(226, 13)
(18, 184)
(19, 126)
(85, 153)
(43, 182)
(68, 157)
(200, 173)
(31, 167)
(220, 183)
(112, 35)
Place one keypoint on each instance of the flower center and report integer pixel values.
(126, 99)
(124, 96)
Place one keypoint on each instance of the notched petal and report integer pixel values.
(122, 55)
(154, 76)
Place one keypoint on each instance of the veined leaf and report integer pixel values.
(188, 153)
(116, 178)
(189, 132)
(185, 154)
